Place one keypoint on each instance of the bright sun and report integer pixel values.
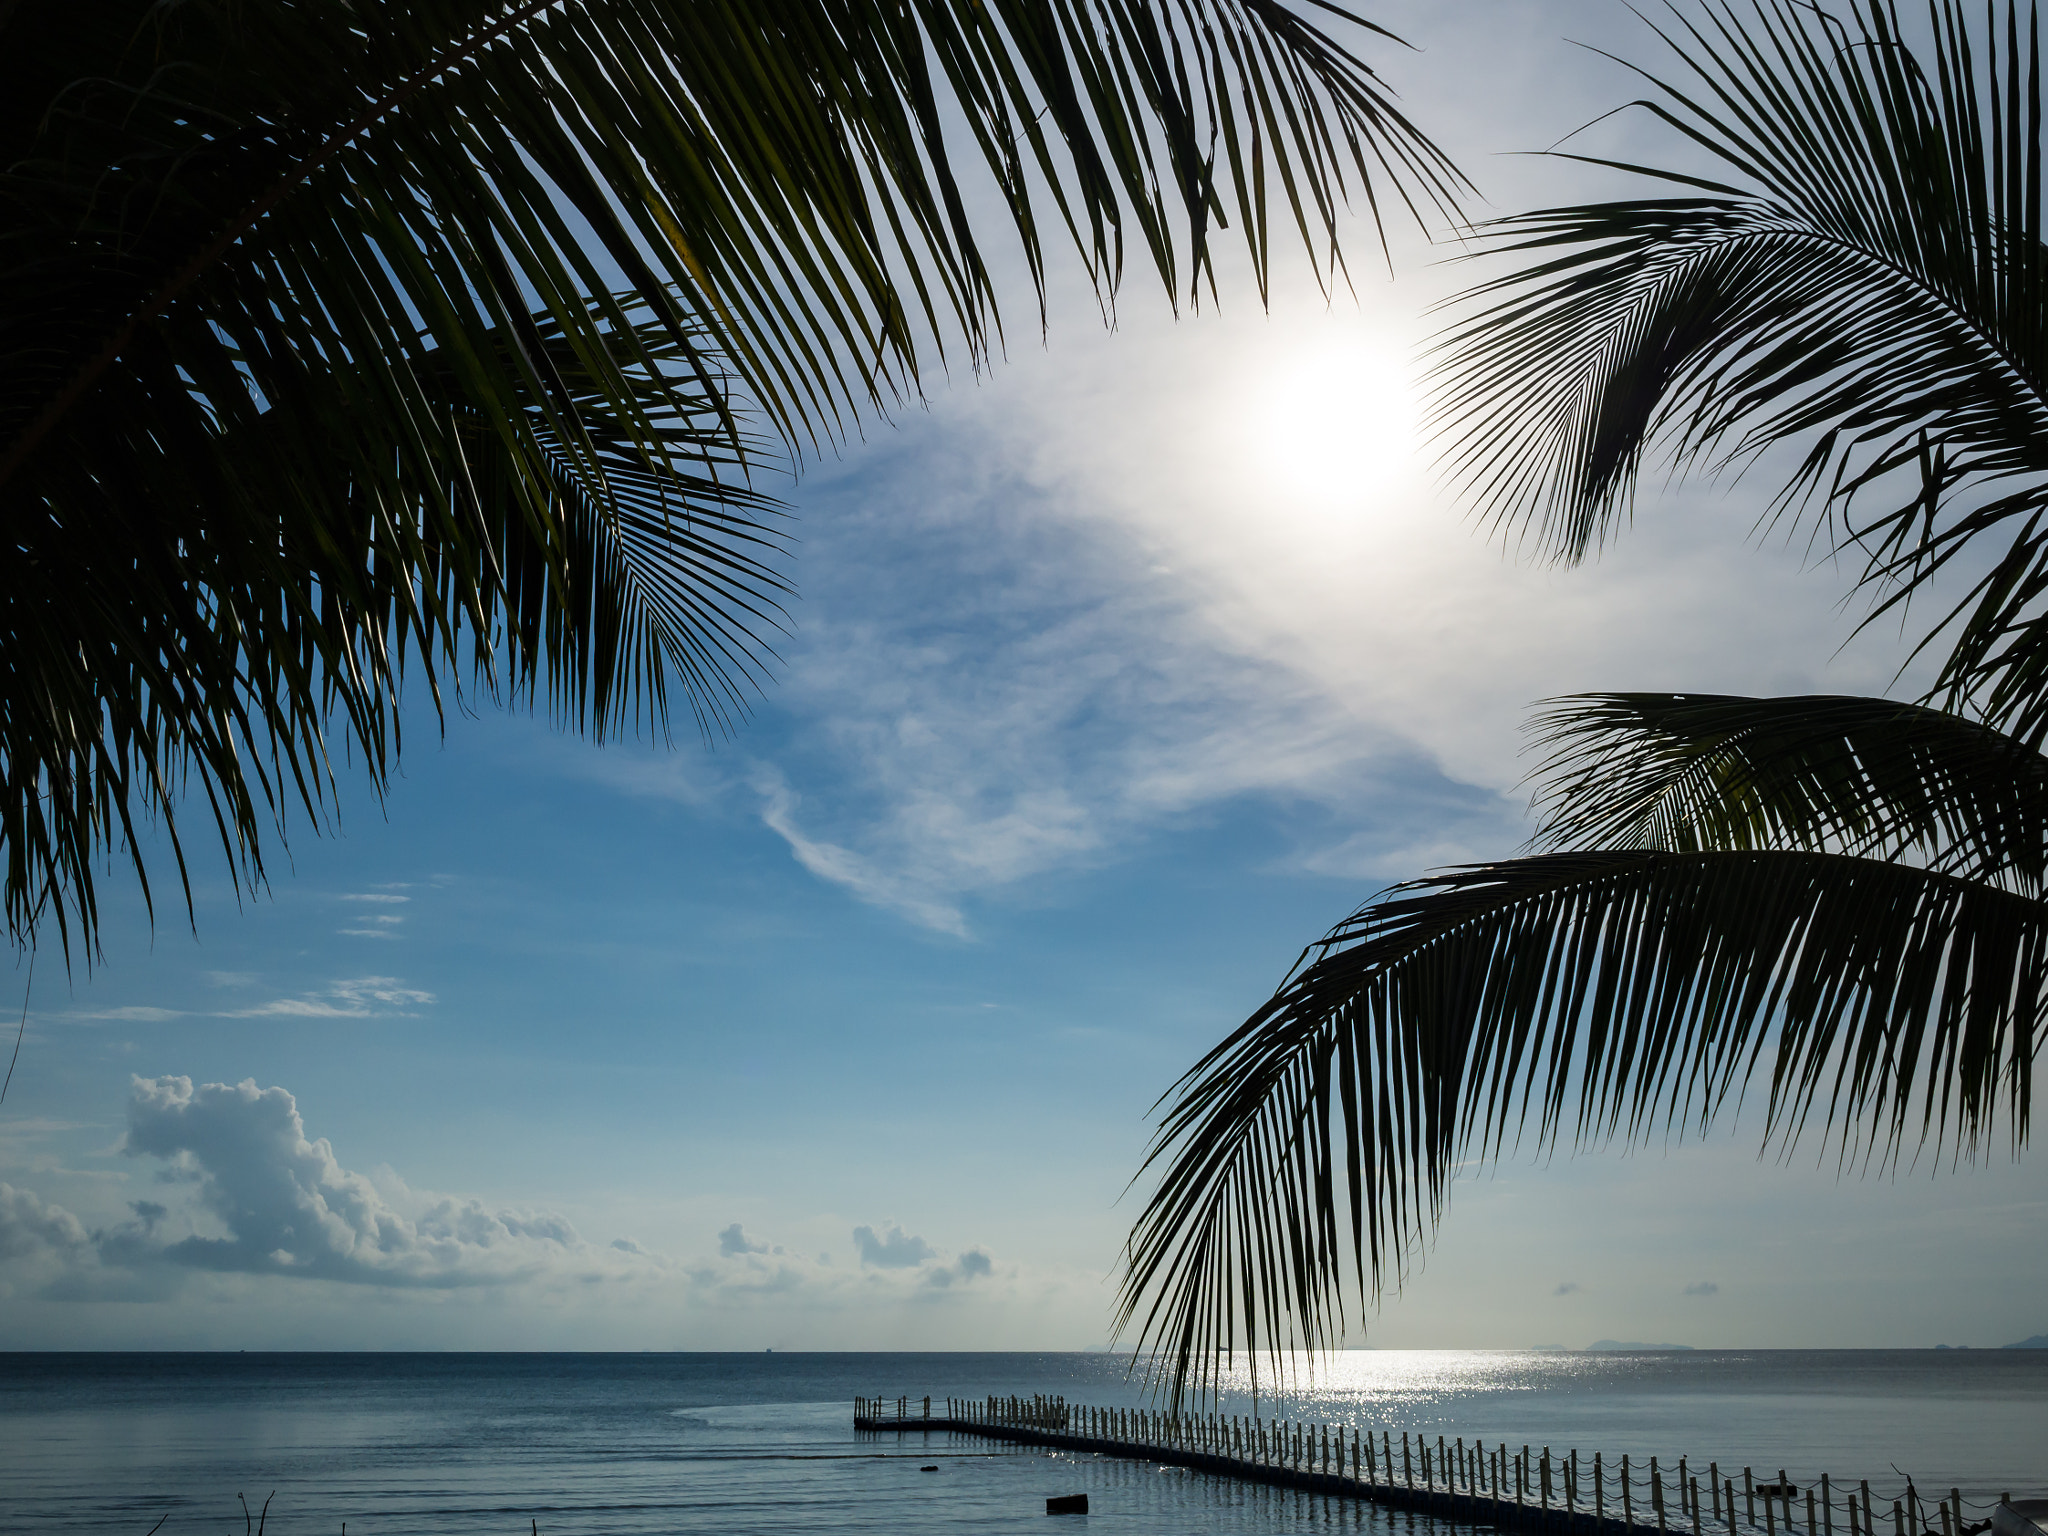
(1334, 427)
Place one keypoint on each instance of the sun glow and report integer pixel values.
(1332, 426)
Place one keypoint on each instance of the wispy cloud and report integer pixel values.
(379, 924)
(899, 892)
(357, 998)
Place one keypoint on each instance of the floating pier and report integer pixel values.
(1471, 1483)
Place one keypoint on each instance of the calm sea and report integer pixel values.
(435, 1445)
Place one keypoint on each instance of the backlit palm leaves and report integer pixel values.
(341, 338)
(1792, 899)
(1868, 283)
(1834, 903)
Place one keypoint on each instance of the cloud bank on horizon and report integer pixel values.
(240, 1190)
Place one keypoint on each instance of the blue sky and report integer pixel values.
(1116, 677)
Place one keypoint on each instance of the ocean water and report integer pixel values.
(626, 1444)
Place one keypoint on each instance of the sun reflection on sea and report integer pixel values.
(1370, 1385)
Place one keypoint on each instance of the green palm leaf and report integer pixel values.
(337, 338)
(1606, 994)
(1690, 772)
(1865, 279)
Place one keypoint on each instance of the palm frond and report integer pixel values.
(1688, 772)
(342, 337)
(1863, 276)
(1604, 994)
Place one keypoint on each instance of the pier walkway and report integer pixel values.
(1472, 1484)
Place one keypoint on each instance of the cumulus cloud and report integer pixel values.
(751, 1271)
(894, 1249)
(732, 1242)
(971, 1265)
(245, 1191)
(1702, 1288)
(282, 1204)
(29, 1228)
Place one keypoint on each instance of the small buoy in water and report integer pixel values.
(1068, 1504)
(932, 1468)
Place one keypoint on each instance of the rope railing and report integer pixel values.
(1529, 1487)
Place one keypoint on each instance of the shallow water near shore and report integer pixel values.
(455, 1444)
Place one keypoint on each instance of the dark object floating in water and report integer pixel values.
(1068, 1504)
(1777, 1491)
(932, 1468)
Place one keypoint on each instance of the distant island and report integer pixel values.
(2038, 1341)
(1630, 1344)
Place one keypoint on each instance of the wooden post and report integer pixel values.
(1628, 1512)
(1898, 1518)
(1657, 1494)
(1407, 1463)
(1714, 1486)
(1695, 1491)
(1869, 1510)
(1543, 1478)
(1599, 1491)
(1749, 1493)
(1770, 1522)
(1852, 1516)
(1827, 1507)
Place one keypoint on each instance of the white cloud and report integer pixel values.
(31, 1229)
(265, 1200)
(1146, 574)
(358, 998)
(896, 1269)
(971, 1265)
(893, 1249)
(906, 893)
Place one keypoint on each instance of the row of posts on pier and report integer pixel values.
(1451, 1466)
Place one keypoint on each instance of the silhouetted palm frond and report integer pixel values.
(1609, 994)
(1863, 274)
(1696, 771)
(342, 332)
